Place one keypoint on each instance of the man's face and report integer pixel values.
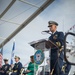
(53, 27)
(6, 62)
(16, 59)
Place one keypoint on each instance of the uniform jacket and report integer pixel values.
(57, 37)
(5, 68)
(17, 67)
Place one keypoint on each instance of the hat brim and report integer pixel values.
(5, 60)
(16, 58)
(51, 25)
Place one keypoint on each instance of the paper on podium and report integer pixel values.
(50, 44)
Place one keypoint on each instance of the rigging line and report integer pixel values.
(9, 21)
(2, 38)
(34, 5)
(29, 3)
(21, 12)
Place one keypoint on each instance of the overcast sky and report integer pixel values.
(61, 11)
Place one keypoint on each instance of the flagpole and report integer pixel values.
(12, 53)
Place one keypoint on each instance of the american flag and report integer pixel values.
(12, 54)
(1, 57)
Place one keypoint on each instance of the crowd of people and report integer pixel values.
(55, 65)
(15, 69)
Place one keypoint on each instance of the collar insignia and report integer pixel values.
(55, 36)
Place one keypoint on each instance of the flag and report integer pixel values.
(1, 57)
(12, 54)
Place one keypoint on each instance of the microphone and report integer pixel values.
(47, 31)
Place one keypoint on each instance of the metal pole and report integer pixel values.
(36, 13)
(12, 2)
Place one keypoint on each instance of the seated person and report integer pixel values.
(32, 66)
(5, 68)
(16, 68)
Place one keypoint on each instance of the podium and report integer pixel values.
(44, 45)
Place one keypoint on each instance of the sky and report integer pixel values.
(61, 11)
